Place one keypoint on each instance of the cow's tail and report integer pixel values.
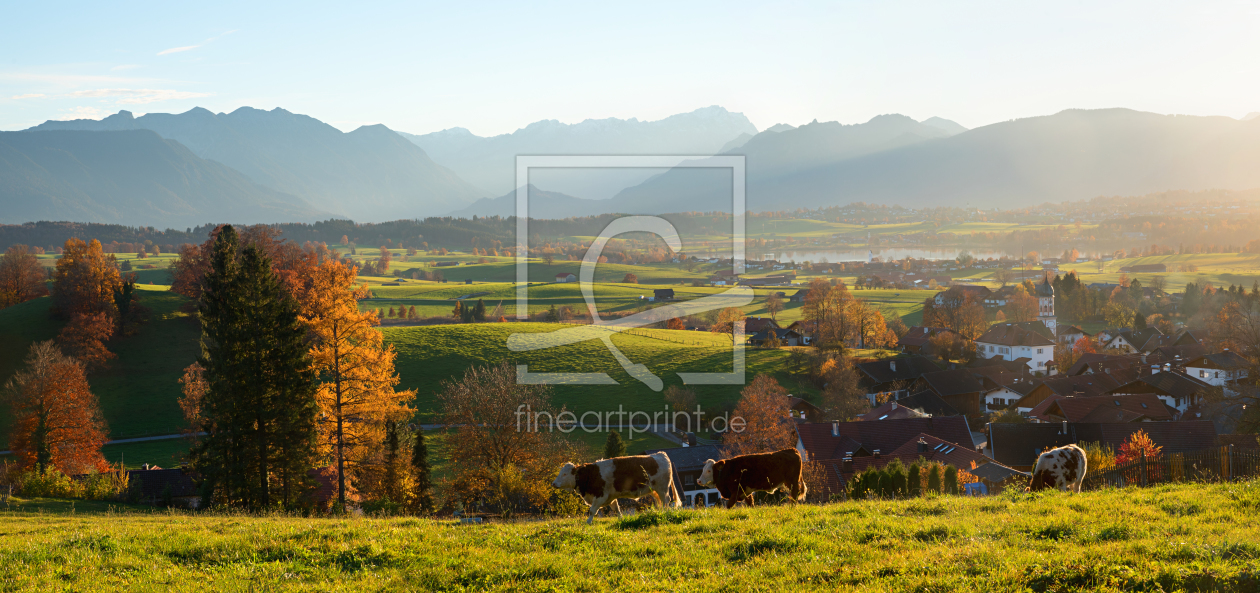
(673, 492)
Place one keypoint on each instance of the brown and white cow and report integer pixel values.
(1062, 468)
(603, 482)
(737, 478)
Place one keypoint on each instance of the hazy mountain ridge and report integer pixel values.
(1070, 155)
(489, 162)
(542, 204)
(368, 174)
(132, 177)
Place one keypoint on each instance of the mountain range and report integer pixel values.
(369, 174)
(1073, 154)
(489, 162)
(254, 166)
(131, 177)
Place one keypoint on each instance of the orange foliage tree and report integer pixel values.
(1139, 443)
(766, 424)
(84, 339)
(21, 276)
(57, 420)
(357, 393)
(85, 280)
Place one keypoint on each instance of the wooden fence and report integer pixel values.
(1218, 464)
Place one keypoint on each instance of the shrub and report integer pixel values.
(934, 479)
(50, 483)
(111, 485)
(951, 479)
(915, 480)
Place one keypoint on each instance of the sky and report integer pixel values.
(495, 67)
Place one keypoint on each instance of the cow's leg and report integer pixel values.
(614, 506)
(657, 498)
(730, 502)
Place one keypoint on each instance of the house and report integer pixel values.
(786, 337)
(960, 388)
(1142, 341)
(663, 294)
(930, 448)
(799, 296)
(805, 328)
(891, 411)
(891, 378)
(801, 409)
(1143, 407)
(959, 294)
(445, 264)
(1009, 341)
(157, 486)
(1108, 364)
(1069, 334)
(1218, 369)
(1063, 386)
(565, 277)
(836, 440)
(1178, 390)
(688, 464)
(924, 404)
(915, 340)
(753, 325)
(1018, 445)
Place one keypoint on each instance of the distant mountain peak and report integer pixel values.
(943, 124)
(780, 128)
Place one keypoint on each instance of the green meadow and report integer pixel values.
(1186, 537)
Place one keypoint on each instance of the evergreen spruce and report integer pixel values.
(951, 480)
(614, 446)
(479, 312)
(422, 484)
(915, 480)
(259, 411)
(934, 479)
(1139, 321)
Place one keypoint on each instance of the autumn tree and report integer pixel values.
(761, 422)
(85, 281)
(774, 304)
(729, 321)
(826, 310)
(501, 437)
(258, 409)
(84, 338)
(614, 446)
(630, 279)
(1022, 306)
(356, 391)
(57, 421)
(675, 324)
(21, 276)
(842, 398)
(383, 267)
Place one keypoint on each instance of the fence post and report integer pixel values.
(1231, 462)
(1143, 466)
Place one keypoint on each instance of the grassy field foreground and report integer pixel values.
(1177, 537)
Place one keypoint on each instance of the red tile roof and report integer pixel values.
(1009, 334)
(1107, 408)
(885, 435)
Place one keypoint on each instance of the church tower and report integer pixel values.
(1045, 305)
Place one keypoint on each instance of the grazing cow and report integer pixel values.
(603, 482)
(1062, 468)
(737, 478)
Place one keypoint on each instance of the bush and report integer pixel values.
(50, 483)
(951, 480)
(111, 485)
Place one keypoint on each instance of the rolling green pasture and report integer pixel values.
(1168, 538)
(429, 355)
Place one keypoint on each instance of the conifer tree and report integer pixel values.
(951, 480)
(259, 408)
(614, 446)
(479, 312)
(934, 479)
(421, 480)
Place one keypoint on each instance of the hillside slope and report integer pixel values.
(369, 174)
(131, 177)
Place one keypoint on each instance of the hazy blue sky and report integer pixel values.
(495, 67)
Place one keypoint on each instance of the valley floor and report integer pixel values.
(1176, 537)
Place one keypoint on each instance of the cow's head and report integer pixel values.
(706, 478)
(1041, 480)
(567, 480)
